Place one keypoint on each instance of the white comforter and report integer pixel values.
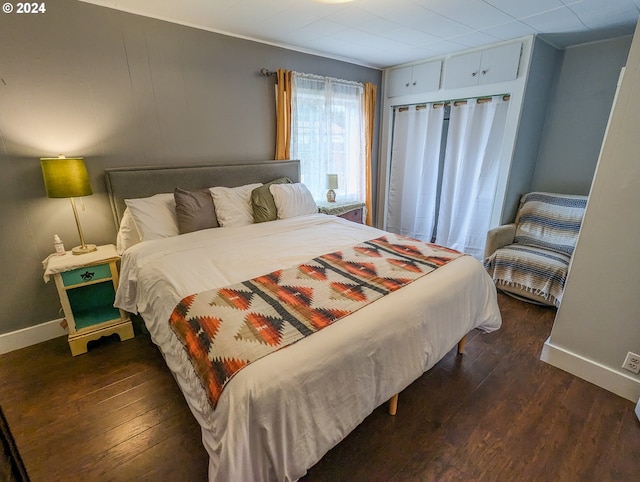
(281, 414)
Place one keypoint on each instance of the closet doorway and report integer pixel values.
(445, 160)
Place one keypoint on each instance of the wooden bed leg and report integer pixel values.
(461, 344)
(393, 404)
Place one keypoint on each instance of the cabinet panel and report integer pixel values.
(399, 82)
(426, 77)
(500, 64)
(414, 80)
(497, 64)
(462, 70)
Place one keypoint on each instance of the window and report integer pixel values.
(327, 134)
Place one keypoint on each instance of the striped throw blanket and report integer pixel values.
(550, 221)
(538, 261)
(223, 330)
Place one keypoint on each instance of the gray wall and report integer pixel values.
(120, 90)
(577, 116)
(543, 75)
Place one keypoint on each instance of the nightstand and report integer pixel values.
(351, 210)
(87, 286)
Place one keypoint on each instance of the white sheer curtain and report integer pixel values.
(413, 178)
(474, 141)
(327, 134)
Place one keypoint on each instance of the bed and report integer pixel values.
(280, 414)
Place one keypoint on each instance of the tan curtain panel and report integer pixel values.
(370, 91)
(283, 114)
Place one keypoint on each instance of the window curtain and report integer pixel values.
(470, 174)
(370, 91)
(415, 154)
(327, 134)
(283, 114)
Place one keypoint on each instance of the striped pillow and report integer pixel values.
(550, 221)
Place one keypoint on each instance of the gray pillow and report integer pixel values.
(264, 207)
(194, 210)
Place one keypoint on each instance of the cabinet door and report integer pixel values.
(426, 77)
(462, 70)
(500, 64)
(399, 82)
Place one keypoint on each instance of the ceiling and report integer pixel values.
(381, 33)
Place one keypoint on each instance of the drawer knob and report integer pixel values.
(87, 275)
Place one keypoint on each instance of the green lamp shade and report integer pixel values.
(65, 177)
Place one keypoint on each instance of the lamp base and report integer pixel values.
(87, 248)
(331, 196)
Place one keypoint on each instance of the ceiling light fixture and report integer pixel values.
(333, 1)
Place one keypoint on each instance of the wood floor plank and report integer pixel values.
(100, 430)
(141, 444)
(183, 446)
(624, 455)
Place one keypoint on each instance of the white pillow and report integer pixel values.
(154, 216)
(293, 200)
(233, 204)
(127, 234)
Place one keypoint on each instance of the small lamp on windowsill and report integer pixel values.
(68, 177)
(332, 183)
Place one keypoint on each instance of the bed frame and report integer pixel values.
(136, 182)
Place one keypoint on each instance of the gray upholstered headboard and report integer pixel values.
(135, 182)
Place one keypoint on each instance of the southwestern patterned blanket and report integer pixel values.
(225, 329)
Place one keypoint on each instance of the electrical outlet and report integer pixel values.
(632, 363)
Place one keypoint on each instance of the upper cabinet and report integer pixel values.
(497, 64)
(414, 80)
(501, 68)
(479, 67)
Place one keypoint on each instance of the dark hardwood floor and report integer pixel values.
(497, 413)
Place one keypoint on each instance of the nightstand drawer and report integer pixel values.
(355, 216)
(86, 274)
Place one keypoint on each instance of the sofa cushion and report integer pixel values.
(550, 221)
(530, 269)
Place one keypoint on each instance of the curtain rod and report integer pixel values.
(268, 73)
(481, 100)
(446, 103)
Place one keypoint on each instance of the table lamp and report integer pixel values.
(68, 177)
(332, 183)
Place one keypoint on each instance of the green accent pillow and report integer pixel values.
(264, 207)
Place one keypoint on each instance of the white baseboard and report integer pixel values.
(30, 336)
(619, 383)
